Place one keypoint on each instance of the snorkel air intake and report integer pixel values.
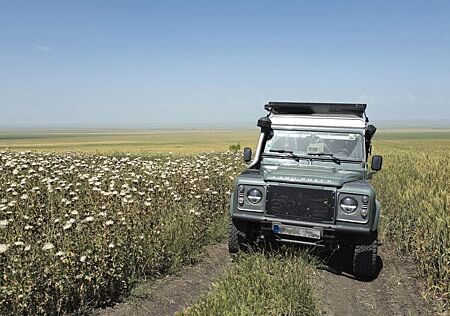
(266, 126)
(370, 132)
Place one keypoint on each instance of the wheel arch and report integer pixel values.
(376, 221)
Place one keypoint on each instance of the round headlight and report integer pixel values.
(254, 196)
(349, 205)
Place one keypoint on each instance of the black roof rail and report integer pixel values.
(357, 109)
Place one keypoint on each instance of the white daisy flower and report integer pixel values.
(88, 219)
(3, 248)
(67, 226)
(48, 246)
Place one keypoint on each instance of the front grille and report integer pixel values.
(300, 203)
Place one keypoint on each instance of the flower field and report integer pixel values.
(76, 230)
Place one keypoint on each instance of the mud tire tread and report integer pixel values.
(365, 257)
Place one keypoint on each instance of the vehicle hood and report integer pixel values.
(312, 175)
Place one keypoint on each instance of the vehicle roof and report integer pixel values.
(317, 120)
(310, 108)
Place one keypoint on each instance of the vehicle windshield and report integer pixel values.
(345, 146)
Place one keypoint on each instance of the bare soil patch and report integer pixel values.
(395, 291)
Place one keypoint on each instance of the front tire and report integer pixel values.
(365, 257)
(237, 236)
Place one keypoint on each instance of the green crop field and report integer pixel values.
(414, 189)
(79, 229)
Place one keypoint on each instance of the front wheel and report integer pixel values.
(365, 257)
(237, 236)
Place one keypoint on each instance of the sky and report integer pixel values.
(165, 63)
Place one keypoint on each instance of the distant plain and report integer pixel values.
(174, 140)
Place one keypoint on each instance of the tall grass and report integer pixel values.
(261, 284)
(414, 188)
(77, 230)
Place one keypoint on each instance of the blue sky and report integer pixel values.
(144, 63)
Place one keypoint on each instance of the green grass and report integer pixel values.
(261, 284)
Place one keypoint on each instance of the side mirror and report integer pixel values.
(377, 162)
(247, 154)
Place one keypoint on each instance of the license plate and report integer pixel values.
(313, 233)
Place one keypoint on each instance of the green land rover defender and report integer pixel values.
(308, 182)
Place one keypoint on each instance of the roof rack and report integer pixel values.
(316, 108)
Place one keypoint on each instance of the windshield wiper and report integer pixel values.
(309, 156)
(282, 151)
(326, 155)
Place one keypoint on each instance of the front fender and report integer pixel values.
(376, 221)
(232, 204)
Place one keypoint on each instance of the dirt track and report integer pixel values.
(173, 293)
(396, 290)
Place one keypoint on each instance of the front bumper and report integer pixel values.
(330, 230)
